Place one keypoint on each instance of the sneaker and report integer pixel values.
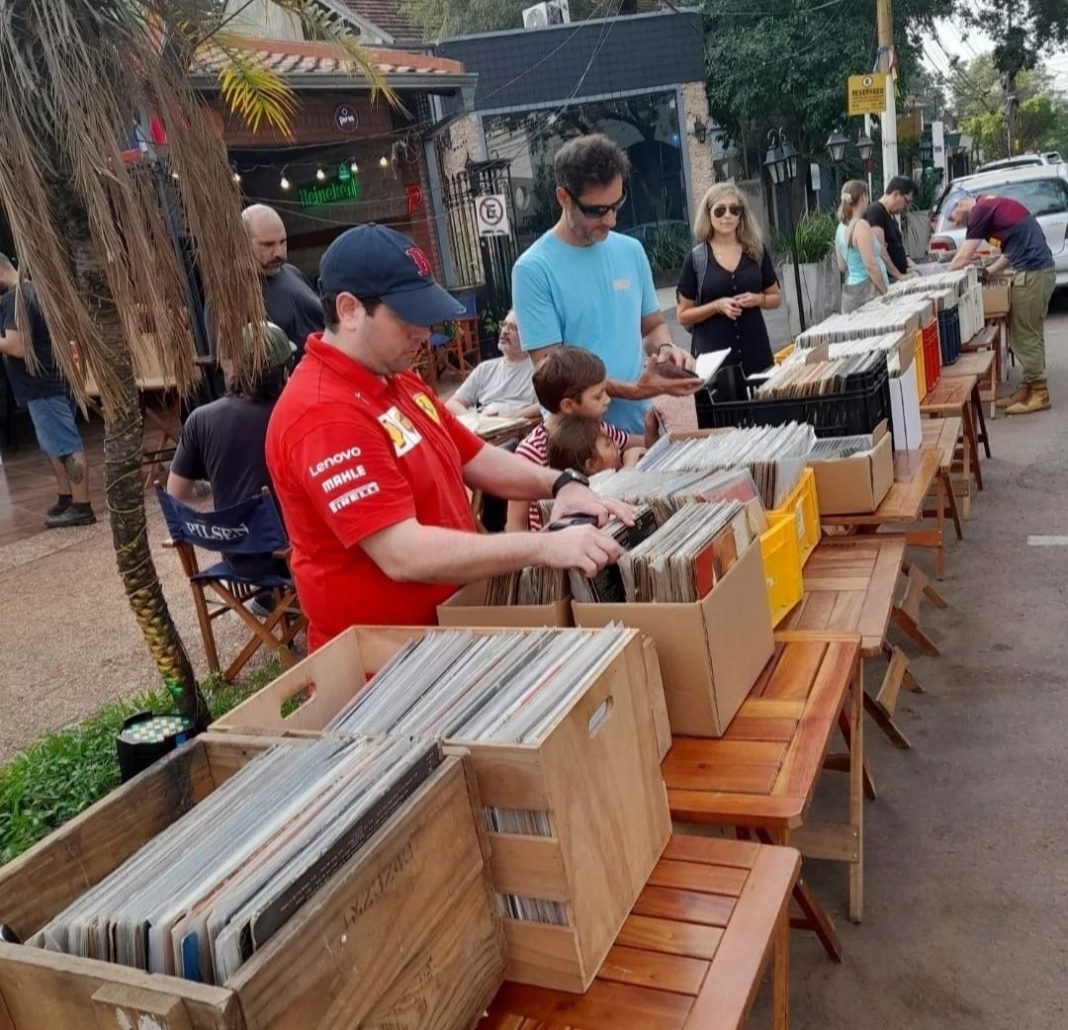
(261, 606)
(74, 515)
(63, 502)
(1037, 400)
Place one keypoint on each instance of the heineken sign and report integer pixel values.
(317, 194)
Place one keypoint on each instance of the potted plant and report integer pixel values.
(821, 284)
(916, 221)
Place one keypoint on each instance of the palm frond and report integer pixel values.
(252, 90)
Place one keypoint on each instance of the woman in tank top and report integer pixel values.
(858, 251)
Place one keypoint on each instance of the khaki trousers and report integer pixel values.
(1030, 294)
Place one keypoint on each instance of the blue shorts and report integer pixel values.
(53, 422)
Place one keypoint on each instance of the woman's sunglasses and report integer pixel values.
(598, 210)
(734, 209)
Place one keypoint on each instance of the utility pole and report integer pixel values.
(889, 119)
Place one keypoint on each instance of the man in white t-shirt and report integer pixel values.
(500, 386)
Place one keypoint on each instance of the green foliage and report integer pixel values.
(928, 189)
(786, 64)
(1021, 29)
(63, 773)
(668, 246)
(815, 238)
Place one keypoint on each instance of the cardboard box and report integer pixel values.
(905, 411)
(711, 651)
(595, 772)
(391, 933)
(848, 486)
(996, 300)
(467, 607)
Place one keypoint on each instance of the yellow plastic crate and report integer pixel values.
(782, 565)
(921, 369)
(780, 356)
(803, 505)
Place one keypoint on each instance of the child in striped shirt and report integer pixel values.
(570, 381)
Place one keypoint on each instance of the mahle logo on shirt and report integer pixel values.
(401, 431)
(426, 405)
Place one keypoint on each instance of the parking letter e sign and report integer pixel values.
(491, 213)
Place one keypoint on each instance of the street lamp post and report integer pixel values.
(781, 163)
(836, 148)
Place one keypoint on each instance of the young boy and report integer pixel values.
(582, 444)
(570, 381)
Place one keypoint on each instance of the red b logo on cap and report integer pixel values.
(419, 260)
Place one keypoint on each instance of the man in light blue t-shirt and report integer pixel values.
(584, 285)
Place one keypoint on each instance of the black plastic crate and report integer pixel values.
(949, 335)
(856, 410)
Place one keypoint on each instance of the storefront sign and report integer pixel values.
(491, 214)
(318, 194)
(867, 93)
(414, 194)
(346, 118)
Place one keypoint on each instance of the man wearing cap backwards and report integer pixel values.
(372, 471)
(1007, 224)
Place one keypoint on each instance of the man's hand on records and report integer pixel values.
(585, 548)
(576, 499)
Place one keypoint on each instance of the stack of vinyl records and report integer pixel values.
(818, 378)
(505, 687)
(200, 898)
(684, 559)
(535, 585)
(908, 313)
(834, 447)
(607, 586)
(774, 455)
(888, 344)
(666, 492)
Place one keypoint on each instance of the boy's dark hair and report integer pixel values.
(589, 161)
(330, 309)
(566, 373)
(572, 442)
(901, 184)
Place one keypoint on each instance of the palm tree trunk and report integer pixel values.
(123, 484)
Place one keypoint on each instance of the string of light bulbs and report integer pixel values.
(384, 162)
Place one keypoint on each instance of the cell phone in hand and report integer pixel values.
(669, 370)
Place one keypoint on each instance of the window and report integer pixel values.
(1039, 196)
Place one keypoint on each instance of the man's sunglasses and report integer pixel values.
(598, 210)
(734, 209)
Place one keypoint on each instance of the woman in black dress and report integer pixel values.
(739, 282)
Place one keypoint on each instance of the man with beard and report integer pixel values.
(584, 285)
(290, 301)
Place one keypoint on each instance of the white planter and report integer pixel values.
(821, 291)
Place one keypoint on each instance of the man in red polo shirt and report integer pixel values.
(370, 468)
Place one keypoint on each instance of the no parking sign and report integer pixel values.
(491, 214)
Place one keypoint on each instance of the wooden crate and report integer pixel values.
(601, 787)
(405, 935)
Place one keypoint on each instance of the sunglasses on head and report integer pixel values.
(721, 209)
(598, 210)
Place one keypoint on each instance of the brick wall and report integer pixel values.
(464, 144)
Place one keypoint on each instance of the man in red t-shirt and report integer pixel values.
(371, 469)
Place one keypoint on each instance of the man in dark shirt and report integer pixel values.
(880, 216)
(223, 443)
(40, 388)
(1008, 225)
(287, 295)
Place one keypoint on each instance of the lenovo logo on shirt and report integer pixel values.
(333, 461)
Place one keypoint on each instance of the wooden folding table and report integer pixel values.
(944, 436)
(959, 396)
(760, 776)
(850, 587)
(691, 954)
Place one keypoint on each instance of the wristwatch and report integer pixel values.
(569, 476)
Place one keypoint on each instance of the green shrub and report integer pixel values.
(815, 238)
(65, 772)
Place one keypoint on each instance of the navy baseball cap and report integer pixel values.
(375, 261)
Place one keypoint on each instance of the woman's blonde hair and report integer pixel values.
(748, 231)
(852, 192)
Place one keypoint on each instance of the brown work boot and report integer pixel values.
(1018, 396)
(1037, 400)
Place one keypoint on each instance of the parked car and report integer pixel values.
(1042, 189)
(1050, 157)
